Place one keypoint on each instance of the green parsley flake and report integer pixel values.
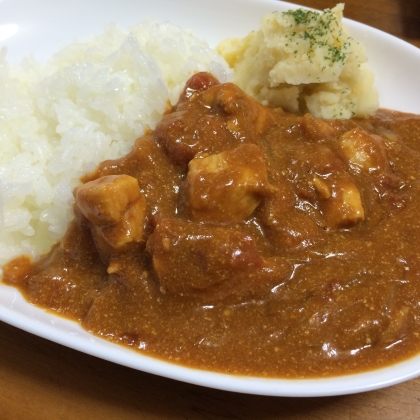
(315, 28)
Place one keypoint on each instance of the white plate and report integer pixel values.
(42, 26)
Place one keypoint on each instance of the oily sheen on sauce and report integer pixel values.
(314, 274)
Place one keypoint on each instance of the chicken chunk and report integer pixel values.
(210, 118)
(287, 227)
(317, 129)
(227, 187)
(339, 198)
(211, 262)
(246, 118)
(343, 208)
(184, 133)
(362, 152)
(116, 210)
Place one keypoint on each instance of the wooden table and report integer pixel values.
(43, 380)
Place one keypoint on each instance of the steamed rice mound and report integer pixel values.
(304, 61)
(88, 103)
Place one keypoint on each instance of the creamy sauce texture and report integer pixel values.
(270, 244)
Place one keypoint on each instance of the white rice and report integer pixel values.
(88, 103)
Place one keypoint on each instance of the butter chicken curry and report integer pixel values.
(243, 239)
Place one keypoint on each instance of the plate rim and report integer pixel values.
(44, 324)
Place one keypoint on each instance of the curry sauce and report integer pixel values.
(243, 239)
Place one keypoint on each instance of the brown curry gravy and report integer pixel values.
(316, 295)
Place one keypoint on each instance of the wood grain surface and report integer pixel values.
(43, 380)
